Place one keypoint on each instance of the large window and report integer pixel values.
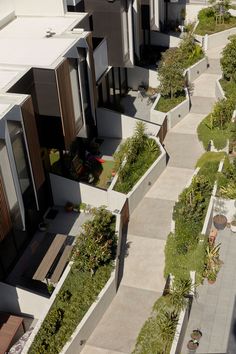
(75, 94)
(21, 162)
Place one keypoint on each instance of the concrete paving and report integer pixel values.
(149, 227)
(214, 311)
(120, 326)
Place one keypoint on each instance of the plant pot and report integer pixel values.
(212, 236)
(233, 226)
(219, 221)
(196, 334)
(211, 281)
(69, 207)
(192, 344)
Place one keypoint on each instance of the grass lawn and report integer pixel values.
(207, 25)
(165, 104)
(229, 87)
(209, 157)
(105, 176)
(219, 137)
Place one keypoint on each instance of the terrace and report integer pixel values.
(58, 222)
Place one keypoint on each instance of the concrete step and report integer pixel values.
(201, 105)
(214, 67)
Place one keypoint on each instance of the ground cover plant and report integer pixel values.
(215, 18)
(157, 333)
(134, 157)
(227, 180)
(217, 126)
(183, 251)
(93, 257)
(171, 72)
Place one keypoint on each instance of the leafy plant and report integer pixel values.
(170, 73)
(228, 60)
(134, 157)
(222, 113)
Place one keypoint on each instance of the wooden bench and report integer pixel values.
(49, 257)
(61, 264)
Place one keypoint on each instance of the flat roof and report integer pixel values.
(24, 42)
(4, 107)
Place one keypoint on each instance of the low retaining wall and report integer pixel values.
(194, 71)
(20, 301)
(174, 116)
(144, 184)
(138, 75)
(113, 124)
(164, 40)
(180, 331)
(65, 189)
(91, 319)
(209, 215)
(219, 92)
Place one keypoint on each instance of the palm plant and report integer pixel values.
(167, 322)
(179, 294)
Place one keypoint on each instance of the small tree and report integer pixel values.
(170, 73)
(220, 8)
(228, 60)
(222, 113)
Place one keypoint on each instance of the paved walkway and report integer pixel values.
(149, 226)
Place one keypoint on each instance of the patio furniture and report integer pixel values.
(152, 99)
(61, 264)
(141, 92)
(9, 325)
(49, 257)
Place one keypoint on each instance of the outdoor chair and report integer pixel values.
(152, 98)
(141, 92)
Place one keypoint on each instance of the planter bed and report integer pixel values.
(167, 104)
(144, 183)
(183, 252)
(74, 299)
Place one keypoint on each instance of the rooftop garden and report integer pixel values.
(215, 18)
(171, 72)
(227, 180)
(93, 260)
(134, 157)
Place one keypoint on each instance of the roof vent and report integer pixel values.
(78, 30)
(50, 32)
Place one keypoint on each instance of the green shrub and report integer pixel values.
(207, 22)
(138, 152)
(229, 87)
(183, 251)
(228, 60)
(190, 51)
(222, 113)
(81, 286)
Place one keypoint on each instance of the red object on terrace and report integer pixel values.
(99, 160)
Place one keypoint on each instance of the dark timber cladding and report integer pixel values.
(33, 142)
(66, 102)
(5, 220)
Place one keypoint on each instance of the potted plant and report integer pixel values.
(211, 277)
(192, 344)
(69, 206)
(212, 236)
(219, 220)
(76, 208)
(233, 224)
(82, 207)
(196, 334)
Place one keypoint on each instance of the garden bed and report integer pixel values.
(89, 273)
(229, 87)
(183, 251)
(166, 104)
(207, 23)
